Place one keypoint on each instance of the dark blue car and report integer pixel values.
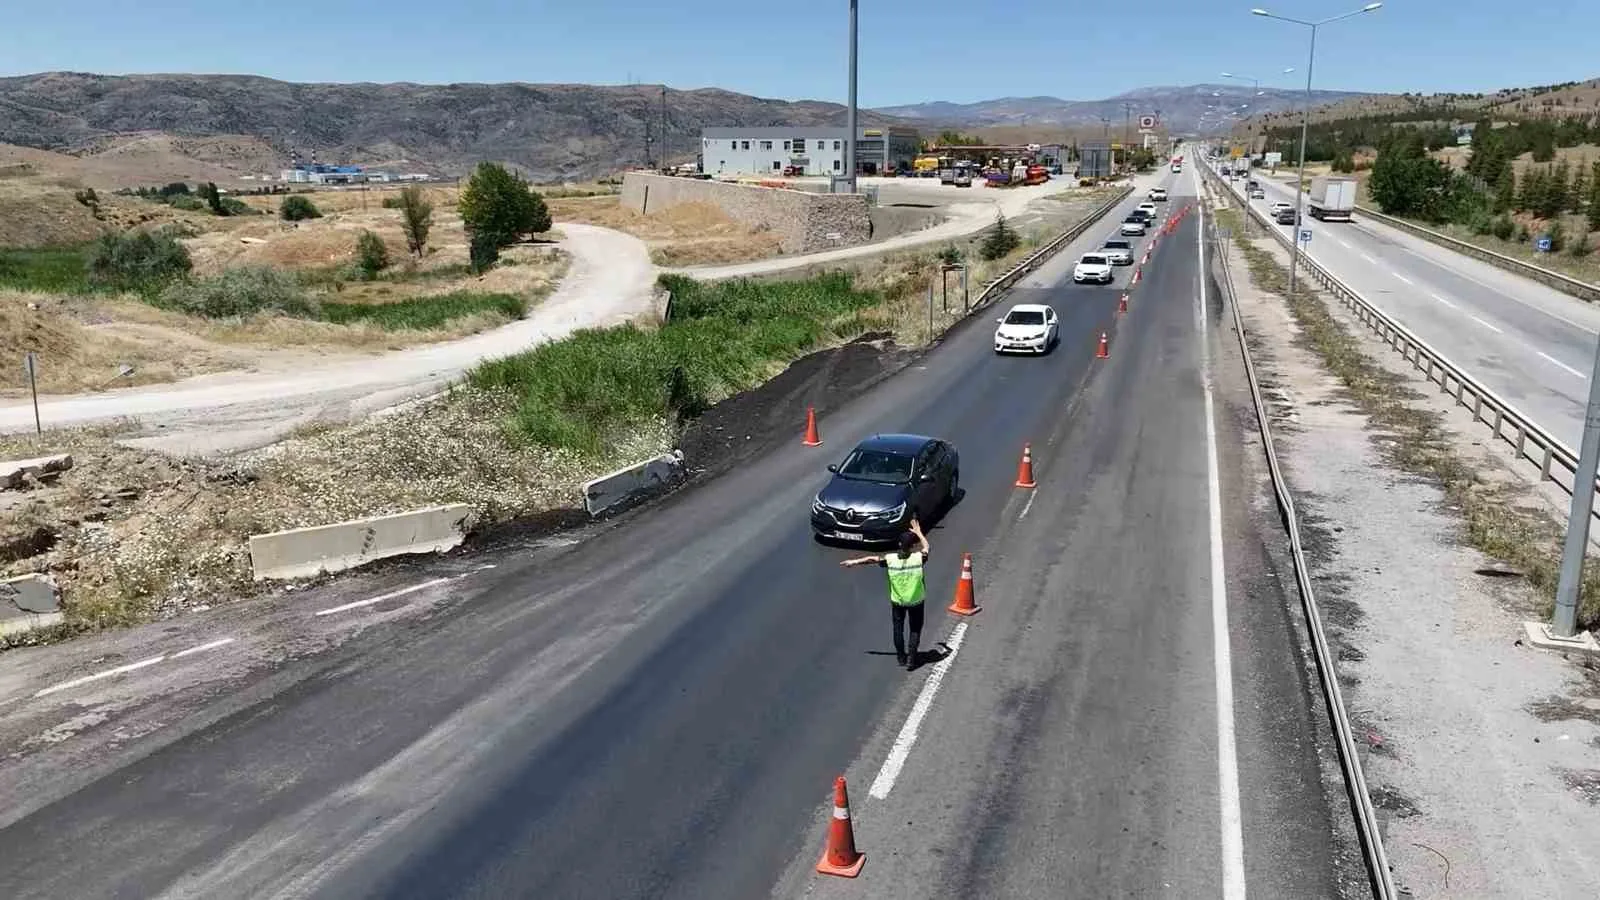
(885, 481)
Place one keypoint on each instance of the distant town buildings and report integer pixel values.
(776, 149)
(322, 173)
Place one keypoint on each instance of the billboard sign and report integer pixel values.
(1147, 121)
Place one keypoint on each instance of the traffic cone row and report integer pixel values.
(965, 603)
(1122, 305)
(1104, 351)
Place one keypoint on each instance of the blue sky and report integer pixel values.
(911, 50)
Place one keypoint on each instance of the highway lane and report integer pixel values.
(1530, 343)
(659, 711)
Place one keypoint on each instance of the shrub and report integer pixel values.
(484, 250)
(242, 293)
(423, 313)
(137, 259)
(297, 208)
(416, 218)
(1503, 228)
(393, 202)
(372, 255)
(1581, 247)
(1002, 239)
(950, 256)
(1522, 234)
(501, 205)
(233, 206)
(1558, 237)
(187, 202)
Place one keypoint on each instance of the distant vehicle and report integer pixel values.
(1279, 206)
(1133, 226)
(885, 481)
(793, 171)
(963, 178)
(1028, 328)
(1257, 193)
(1177, 167)
(926, 166)
(1332, 197)
(1158, 193)
(1149, 208)
(1286, 216)
(947, 176)
(1144, 216)
(1095, 267)
(1118, 251)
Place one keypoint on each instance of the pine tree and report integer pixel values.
(1579, 192)
(1529, 191)
(1560, 196)
(1505, 190)
(1594, 197)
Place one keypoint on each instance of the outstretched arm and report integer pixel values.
(860, 561)
(916, 529)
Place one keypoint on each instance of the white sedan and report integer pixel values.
(1027, 328)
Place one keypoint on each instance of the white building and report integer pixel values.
(814, 150)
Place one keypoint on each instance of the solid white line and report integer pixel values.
(223, 642)
(382, 597)
(1232, 814)
(903, 742)
(1029, 505)
(109, 673)
(1487, 325)
(1558, 362)
(1443, 300)
(1402, 278)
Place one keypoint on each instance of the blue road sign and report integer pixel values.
(1544, 245)
(1305, 235)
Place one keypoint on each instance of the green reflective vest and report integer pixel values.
(905, 578)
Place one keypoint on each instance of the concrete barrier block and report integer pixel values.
(13, 472)
(636, 482)
(31, 594)
(304, 552)
(23, 624)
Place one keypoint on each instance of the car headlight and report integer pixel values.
(817, 505)
(894, 514)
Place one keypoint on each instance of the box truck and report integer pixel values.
(1332, 197)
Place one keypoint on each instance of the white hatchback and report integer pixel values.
(1027, 328)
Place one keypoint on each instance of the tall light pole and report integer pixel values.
(850, 114)
(1255, 85)
(1305, 119)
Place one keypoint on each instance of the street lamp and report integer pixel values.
(1305, 118)
(850, 112)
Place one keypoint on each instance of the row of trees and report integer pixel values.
(1327, 141)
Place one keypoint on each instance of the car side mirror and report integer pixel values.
(924, 478)
(834, 468)
(1001, 320)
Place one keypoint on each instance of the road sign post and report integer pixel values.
(1544, 245)
(30, 365)
(1565, 622)
(1305, 235)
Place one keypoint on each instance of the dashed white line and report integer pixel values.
(1442, 300)
(1029, 505)
(382, 597)
(1487, 325)
(907, 738)
(1402, 278)
(1552, 359)
(223, 642)
(1369, 259)
(1344, 243)
(109, 673)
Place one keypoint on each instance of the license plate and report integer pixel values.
(849, 536)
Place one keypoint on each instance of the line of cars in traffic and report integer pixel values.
(1099, 267)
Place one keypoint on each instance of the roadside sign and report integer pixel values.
(1236, 152)
(1147, 121)
(1305, 235)
(30, 365)
(1273, 159)
(1544, 247)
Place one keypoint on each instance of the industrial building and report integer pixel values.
(813, 150)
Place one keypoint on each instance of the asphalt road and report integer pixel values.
(660, 710)
(1531, 344)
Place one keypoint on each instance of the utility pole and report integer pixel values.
(850, 113)
(664, 159)
(1127, 121)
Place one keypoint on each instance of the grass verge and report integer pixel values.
(1528, 540)
(425, 313)
(51, 270)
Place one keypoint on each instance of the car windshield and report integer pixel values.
(1025, 317)
(1093, 260)
(877, 465)
(1117, 245)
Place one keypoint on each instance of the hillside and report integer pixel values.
(1544, 101)
(552, 131)
(1180, 108)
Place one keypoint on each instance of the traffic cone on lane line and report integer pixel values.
(840, 857)
(1122, 305)
(811, 439)
(965, 603)
(1025, 468)
(1138, 275)
(1105, 350)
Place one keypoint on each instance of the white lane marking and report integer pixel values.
(382, 597)
(1402, 278)
(109, 673)
(1369, 259)
(1231, 812)
(1029, 505)
(1552, 359)
(1487, 325)
(221, 642)
(907, 738)
(1344, 243)
(1441, 299)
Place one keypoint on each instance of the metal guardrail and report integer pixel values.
(1366, 816)
(1583, 290)
(1000, 285)
(1507, 423)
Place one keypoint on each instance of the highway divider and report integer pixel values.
(1366, 817)
(1583, 290)
(1556, 461)
(628, 486)
(1032, 261)
(306, 552)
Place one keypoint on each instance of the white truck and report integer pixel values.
(1332, 197)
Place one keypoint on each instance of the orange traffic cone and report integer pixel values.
(1122, 305)
(811, 428)
(1105, 351)
(1138, 275)
(1025, 469)
(965, 604)
(840, 856)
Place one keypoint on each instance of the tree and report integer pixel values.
(1594, 197)
(1407, 182)
(1000, 241)
(137, 259)
(298, 208)
(1560, 192)
(483, 250)
(372, 254)
(1578, 193)
(213, 198)
(1344, 162)
(416, 219)
(501, 206)
(1557, 235)
(1505, 190)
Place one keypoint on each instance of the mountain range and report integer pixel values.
(551, 132)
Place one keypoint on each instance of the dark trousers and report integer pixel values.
(901, 614)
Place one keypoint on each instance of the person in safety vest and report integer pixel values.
(906, 589)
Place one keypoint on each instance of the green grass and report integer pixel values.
(424, 313)
(590, 390)
(54, 270)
